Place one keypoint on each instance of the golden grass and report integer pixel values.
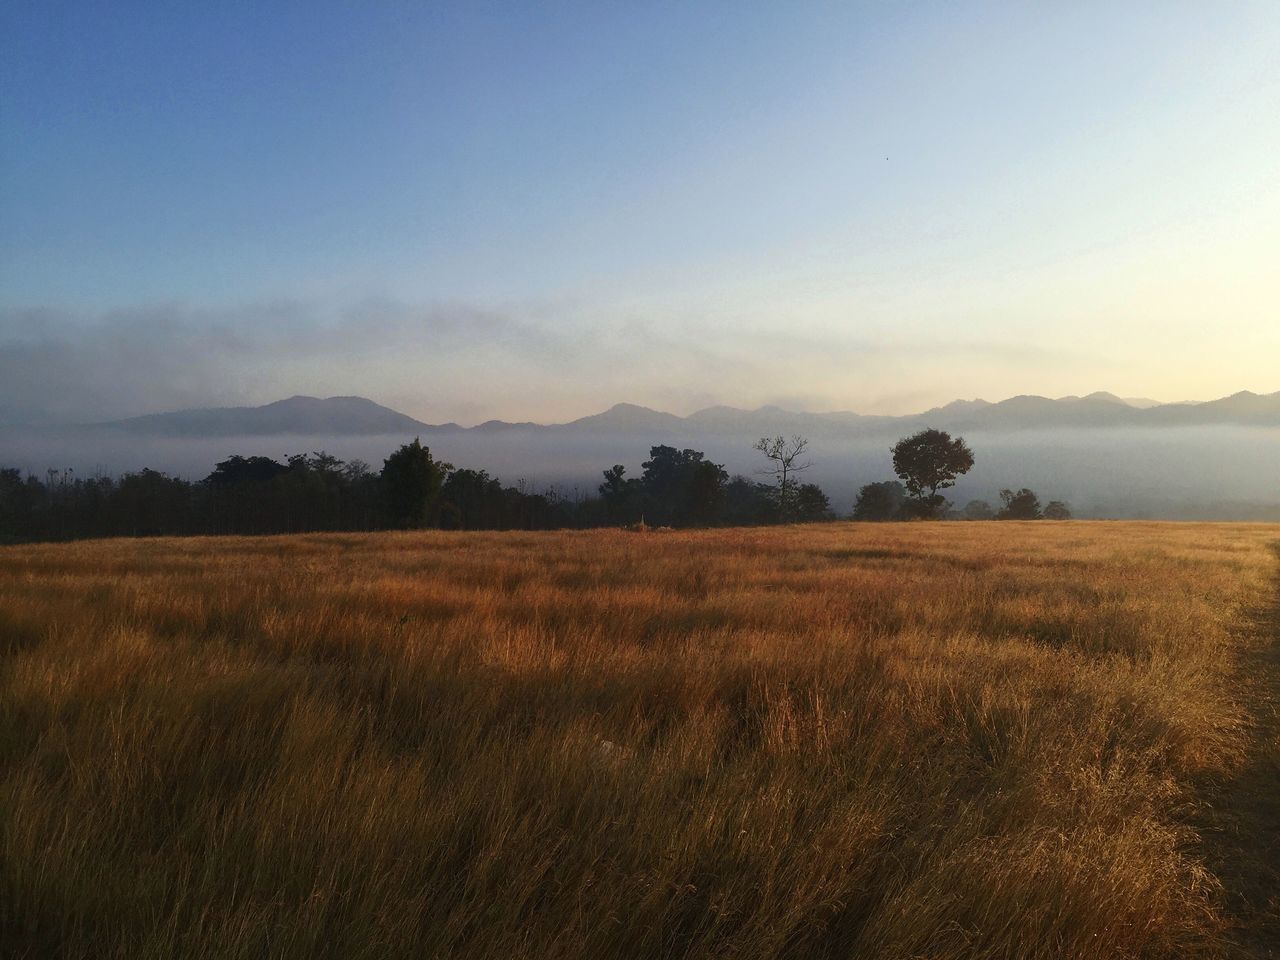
(913, 740)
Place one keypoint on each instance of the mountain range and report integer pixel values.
(1107, 456)
(357, 416)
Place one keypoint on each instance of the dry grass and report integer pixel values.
(927, 740)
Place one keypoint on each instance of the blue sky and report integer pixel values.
(535, 210)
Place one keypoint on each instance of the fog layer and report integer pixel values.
(1172, 473)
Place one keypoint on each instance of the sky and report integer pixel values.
(533, 211)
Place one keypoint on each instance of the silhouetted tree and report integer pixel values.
(927, 462)
(21, 502)
(614, 483)
(748, 502)
(623, 498)
(240, 470)
(1020, 505)
(978, 510)
(242, 496)
(811, 504)
(703, 496)
(879, 501)
(151, 504)
(472, 500)
(1057, 510)
(681, 487)
(412, 482)
(785, 455)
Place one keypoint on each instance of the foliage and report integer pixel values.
(319, 492)
(930, 461)
(978, 510)
(811, 504)
(879, 501)
(682, 488)
(1019, 505)
(412, 481)
(749, 503)
(1057, 510)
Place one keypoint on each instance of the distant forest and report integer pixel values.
(413, 490)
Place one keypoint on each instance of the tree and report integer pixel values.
(1020, 505)
(879, 501)
(412, 481)
(150, 504)
(748, 502)
(1057, 510)
(681, 487)
(244, 496)
(314, 492)
(236, 470)
(930, 461)
(622, 497)
(614, 485)
(472, 500)
(811, 504)
(704, 493)
(978, 510)
(20, 501)
(784, 453)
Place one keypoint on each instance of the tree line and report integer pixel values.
(414, 490)
(929, 461)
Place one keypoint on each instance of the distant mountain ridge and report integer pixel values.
(343, 416)
(357, 416)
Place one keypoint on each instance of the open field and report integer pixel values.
(909, 740)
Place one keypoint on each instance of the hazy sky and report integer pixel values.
(534, 210)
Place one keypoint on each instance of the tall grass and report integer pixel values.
(932, 740)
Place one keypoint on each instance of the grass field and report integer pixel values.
(909, 740)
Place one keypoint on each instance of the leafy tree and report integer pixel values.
(681, 487)
(978, 510)
(1057, 510)
(879, 501)
(703, 496)
(312, 492)
(748, 502)
(412, 482)
(151, 504)
(472, 500)
(237, 470)
(930, 461)
(811, 504)
(1020, 505)
(243, 496)
(614, 483)
(20, 505)
(785, 456)
(623, 498)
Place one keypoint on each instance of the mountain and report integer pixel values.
(626, 417)
(1107, 456)
(1246, 408)
(337, 416)
(356, 416)
(1029, 411)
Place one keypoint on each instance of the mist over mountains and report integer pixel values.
(357, 416)
(1107, 456)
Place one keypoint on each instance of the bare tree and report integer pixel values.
(784, 453)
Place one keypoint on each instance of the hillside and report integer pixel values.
(344, 416)
(356, 416)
